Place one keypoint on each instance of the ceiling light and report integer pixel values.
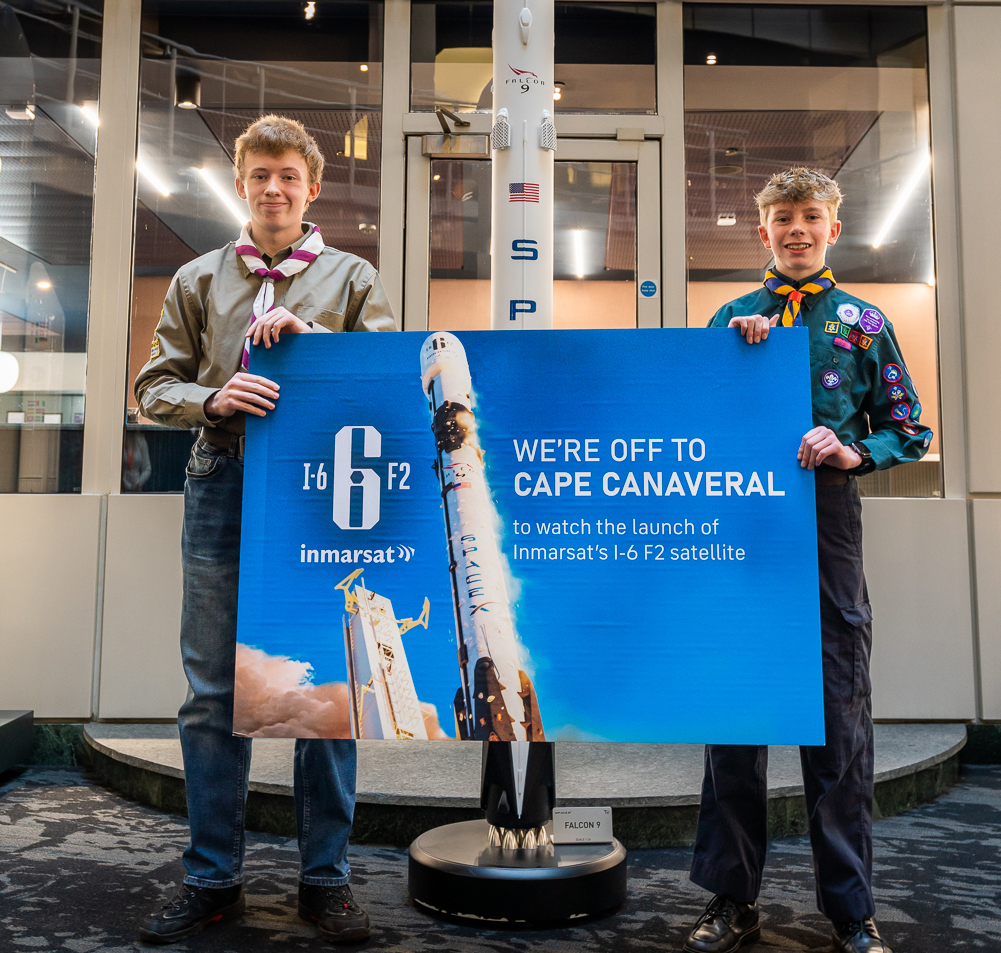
(310, 10)
(367, 227)
(578, 248)
(726, 170)
(44, 285)
(436, 177)
(364, 67)
(188, 90)
(711, 59)
(905, 194)
(232, 207)
(89, 111)
(151, 177)
(7, 267)
(25, 112)
(727, 218)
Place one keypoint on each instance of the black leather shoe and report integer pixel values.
(725, 926)
(858, 936)
(191, 910)
(334, 913)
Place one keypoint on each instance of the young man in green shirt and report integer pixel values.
(866, 416)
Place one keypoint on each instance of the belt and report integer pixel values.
(230, 442)
(831, 476)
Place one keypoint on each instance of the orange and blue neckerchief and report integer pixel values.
(790, 314)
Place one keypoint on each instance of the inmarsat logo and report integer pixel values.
(357, 490)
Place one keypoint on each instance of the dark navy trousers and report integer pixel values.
(731, 842)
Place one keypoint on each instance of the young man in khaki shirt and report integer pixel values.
(278, 278)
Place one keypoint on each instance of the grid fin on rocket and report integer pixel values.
(496, 699)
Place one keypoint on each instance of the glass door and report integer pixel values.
(606, 228)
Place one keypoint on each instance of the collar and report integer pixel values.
(282, 253)
(809, 300)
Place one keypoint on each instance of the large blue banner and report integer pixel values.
(572, 535)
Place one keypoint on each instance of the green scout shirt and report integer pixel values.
(860, 385)
(198, 344)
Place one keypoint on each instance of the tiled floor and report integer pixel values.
(79, 866)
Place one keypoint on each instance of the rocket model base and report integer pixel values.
(455, 873)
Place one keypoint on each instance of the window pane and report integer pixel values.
(50, 66)
(605, 56)
(842, 90)
(594, 258)
(241, 62)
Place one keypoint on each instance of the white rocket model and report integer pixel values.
(522, 144)
(496, 700)
(384, 701)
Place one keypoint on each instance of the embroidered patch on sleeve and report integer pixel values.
(831, 327)
(154, 348)
(864, 342)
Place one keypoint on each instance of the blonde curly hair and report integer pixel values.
(796, 185)
(274, 136)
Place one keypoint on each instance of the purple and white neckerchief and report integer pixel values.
(298, 261)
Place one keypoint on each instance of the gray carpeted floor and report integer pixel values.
(79, 866)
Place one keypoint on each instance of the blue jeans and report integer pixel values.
(216, 764)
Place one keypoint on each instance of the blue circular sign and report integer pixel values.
(900, 411)
(895, 392)
(830, 379)
(648, 289)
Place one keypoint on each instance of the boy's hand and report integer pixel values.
(247, 392)
(821, 445)
(754, 327)
(278, 319)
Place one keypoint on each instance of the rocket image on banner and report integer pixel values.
(496, 699)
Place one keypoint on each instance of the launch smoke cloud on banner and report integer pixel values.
(579, 535)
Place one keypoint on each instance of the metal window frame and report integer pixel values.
(400, 252)
(646, 155)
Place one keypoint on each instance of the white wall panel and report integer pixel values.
(48, 593)
(978, 96)
(917, 564)
(987, 542)
(141, 674)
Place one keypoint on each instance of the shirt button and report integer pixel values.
(835, 360)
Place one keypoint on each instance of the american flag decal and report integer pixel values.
(523, 192)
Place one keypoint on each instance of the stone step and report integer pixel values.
(406, 787)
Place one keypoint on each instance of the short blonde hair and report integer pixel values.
(796, 185)
(274, 136)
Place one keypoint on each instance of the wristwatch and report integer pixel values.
(867, 465)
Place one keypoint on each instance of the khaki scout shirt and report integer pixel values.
(198, 344)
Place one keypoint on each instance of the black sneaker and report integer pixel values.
(858, 936)
(334, 913)
(191, 910)
(725, 926)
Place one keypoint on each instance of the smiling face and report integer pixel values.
(277, 191)
(798, 234)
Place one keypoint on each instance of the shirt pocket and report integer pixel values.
(323, 320)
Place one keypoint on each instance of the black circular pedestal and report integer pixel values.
(455, 873)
